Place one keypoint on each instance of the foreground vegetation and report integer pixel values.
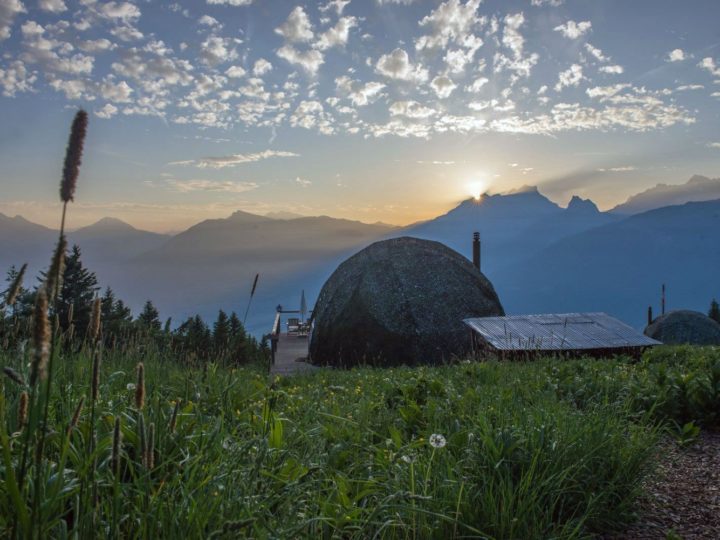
(549, 449)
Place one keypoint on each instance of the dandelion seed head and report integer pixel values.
(437, 440)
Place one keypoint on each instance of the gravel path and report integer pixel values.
(683, 497)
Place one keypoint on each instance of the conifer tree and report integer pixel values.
(714, 312)
(221, 333)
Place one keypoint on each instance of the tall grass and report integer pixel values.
(344, 454)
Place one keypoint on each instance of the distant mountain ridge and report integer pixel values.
(512, 225)
(539, 255)
(620, 267)
(697, 189)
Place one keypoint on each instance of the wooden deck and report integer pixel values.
(290, 355)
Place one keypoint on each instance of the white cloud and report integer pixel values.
(338, 5)
(261, 67)
(709, 65)
(207, 20)
(9, 9)
(411, 109)
(554, 3)
(115, 92)
(310, 60)
(303, 182)
(337, 36)
(477, 85)
(297, 27)
(686, 87)
(359, 93)
(597, 53)
(53, 6)
(234, 160)
(230, 2)
(397, 65)
(450, 21)
(714, 145)
(108, 111)
(235, 72)
(217, 50)
(614, 70)
(310, 114)
(443, 86)
(573, 30)
(676, 55)
(96, 45)
(16, 78)
(122, 11)
(457, 59)
(512, 38)
(73, 88)
(627, 168)
(570, 77)
(225, 186)
(604, 92)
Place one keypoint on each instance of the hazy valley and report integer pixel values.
(540, 256)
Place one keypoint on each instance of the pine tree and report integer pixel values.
(714, 312)
(149, 318)
(79, 287)
(243, 348)
(221, 333)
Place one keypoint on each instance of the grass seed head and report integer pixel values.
(173, 419)
(41, 338)
(95, 386)
(14, 289)
(57, 268)
(140, 387)
(76, 415)
(95, 320)
(73, 156)
(150, 453)
(116, 443)
(13, 375)
(23, 410)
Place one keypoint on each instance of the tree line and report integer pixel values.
(192, 341)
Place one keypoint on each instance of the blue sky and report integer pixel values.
(372, 110)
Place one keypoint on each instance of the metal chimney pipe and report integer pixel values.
(650, 317)
(663, 299)
(476, 250)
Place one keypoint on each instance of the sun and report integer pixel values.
(476, 189)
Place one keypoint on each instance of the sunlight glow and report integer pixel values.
(476, 189)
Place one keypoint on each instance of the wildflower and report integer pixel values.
(130, 386)
(408, 459)
(437, 441)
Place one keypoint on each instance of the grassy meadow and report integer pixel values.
(483, 450)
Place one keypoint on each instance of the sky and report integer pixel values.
(374, 110)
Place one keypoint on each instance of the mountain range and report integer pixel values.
(541, 257)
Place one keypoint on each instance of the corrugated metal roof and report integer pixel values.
(558, 332)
